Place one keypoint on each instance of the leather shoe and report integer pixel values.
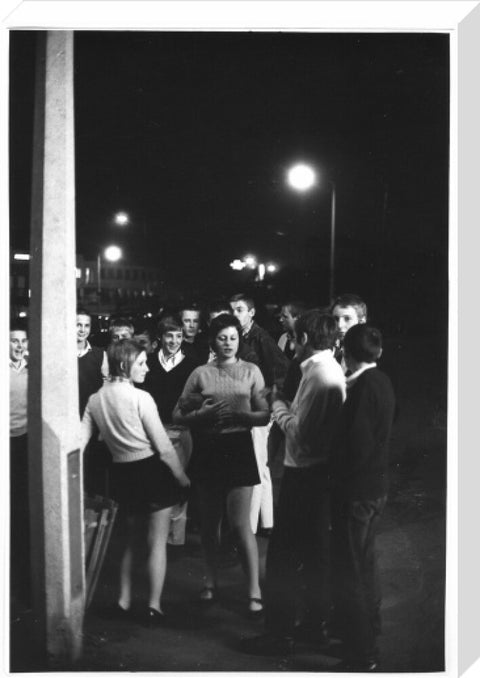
(314, 634)
(154, 618)
(268, 645)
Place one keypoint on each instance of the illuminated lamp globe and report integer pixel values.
(301, 177)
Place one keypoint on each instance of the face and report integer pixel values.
(345, 317)
(287, 320)
(243, 314)
(171, 341)
(191, 323)
(121, 333)
(84, 326)
(226, 343)
(139, 368)
(18, 345)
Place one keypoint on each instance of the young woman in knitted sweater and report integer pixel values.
(223, 464)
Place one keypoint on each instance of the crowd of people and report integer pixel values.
(185, 421)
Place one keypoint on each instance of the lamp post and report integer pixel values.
(111, 253)
(302, 178)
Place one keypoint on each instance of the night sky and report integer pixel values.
(191, 133)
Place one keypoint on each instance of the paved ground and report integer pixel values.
(412, 562)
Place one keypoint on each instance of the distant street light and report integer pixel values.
(110, 253)
(302, 178)
(251, 262)
(121, 218)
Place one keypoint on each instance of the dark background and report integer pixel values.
(191, 133)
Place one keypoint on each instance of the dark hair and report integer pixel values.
(121, 322)
(19, 325)
(219, 306)
(243, 297)
(83, 311)
(363, 343)
(121, 356)
(221, 322)
(169, 323)
(352, 300)
(296, 307)
(190, 307)
(320, 328)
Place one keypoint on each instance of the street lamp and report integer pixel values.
(302, 178)
(121, 218)
(110, 253)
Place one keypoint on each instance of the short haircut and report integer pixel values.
(355, 302)
(121, 356)
(169, 323)
(364, 343)
(296, 307)
(243, 297)
(83, 311)
(320, 328)
(145, 339)
(190, 307)
(121, 322)
(221, 322)
(219, 306)
(19, 325)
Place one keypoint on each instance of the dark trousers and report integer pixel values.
(357, 595)
(298, 556)
(20, 568)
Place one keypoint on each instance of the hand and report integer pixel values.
(210, 409)
(184, 481)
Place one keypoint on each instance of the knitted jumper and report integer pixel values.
(18, 401)
(235, 383)
(128, 421)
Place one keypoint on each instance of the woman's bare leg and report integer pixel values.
(159, 524)
(238, 508)
(125, 596)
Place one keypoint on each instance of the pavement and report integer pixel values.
(411, 547)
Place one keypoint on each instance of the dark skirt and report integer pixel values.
(224, 460)
(145, 486)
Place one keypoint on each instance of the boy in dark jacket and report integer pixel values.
(360, 487)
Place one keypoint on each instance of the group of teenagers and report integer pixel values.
(200, 412)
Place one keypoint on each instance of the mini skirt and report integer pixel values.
(145, 486)
(225, 460)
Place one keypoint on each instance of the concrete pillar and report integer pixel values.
(54, 460)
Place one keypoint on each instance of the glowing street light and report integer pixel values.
(272, 268)
(121, 218)
(111, 253)
(302, 178)
(250, 261)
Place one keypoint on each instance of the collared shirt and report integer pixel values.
(310, 421)
(246, 330)
(82, 351)
(168, 362)
(17, 365)
(352, 378)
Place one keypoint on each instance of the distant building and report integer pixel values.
(122, 285)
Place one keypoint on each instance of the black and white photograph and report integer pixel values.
(228, 349)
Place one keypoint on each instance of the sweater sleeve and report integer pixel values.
(303, 425)
(157, 434)
(87, 428)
